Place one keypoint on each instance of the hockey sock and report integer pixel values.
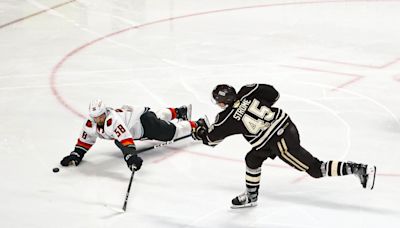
(253, 177)
(338, 168)
(173, 113)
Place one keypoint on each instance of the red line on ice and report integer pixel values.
(354, 64)
(303, 176)
(35, 14)
(58, 66)
(356, 77)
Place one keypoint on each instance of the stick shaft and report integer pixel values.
(129, 189)
(141, 151)
(162, 144)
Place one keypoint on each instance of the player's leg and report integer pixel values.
(254, 160)
(183, 128)
(286, 146)
(155, 128)
(158, 129)
(290, 151)
(366, 173)
(182, 113)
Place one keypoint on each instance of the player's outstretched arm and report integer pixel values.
(74, 158)
(85, 142)
(130, 154)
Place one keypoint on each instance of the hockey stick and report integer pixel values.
(127, 192)
(162, 144)
(133, 170)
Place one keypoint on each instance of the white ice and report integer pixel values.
(336, 64)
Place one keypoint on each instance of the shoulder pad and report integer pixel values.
(246, 90)
(89, 124)
(109, 122)
(251, 85)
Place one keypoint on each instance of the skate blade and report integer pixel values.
(189, 112)
(253, 204)
(371, 171)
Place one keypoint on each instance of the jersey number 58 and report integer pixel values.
(119, 130)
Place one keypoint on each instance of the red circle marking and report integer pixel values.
(58, 66)
(35, 14)
(80, 48)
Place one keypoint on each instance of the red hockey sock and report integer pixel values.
(193, 124)
(173, 112)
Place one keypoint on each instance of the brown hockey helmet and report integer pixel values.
(224, 93)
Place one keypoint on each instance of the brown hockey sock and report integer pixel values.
(338, 168)
(253, 177)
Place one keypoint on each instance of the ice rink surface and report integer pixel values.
(335, 63)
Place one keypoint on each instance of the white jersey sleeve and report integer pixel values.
(87, 137)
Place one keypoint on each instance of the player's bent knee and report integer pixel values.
(253, 161)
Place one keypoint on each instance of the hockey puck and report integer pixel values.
(55, 170)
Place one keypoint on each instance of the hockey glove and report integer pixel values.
(133, 161)
(200, 132)
(73, 159)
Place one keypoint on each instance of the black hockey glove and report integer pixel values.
(130, 155)
(200, 132)
(73, 159)
(133, 161)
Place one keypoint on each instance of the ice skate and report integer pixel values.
(366, 173)
(184, 112)
(244, 200)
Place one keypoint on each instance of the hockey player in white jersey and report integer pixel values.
(127, 124)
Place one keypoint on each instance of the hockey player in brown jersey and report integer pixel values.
(126, 124)
(271, 133)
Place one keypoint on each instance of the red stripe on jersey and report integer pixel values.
(173, 112)
(84, 145)
(127, 142)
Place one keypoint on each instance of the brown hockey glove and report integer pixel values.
(200, 131)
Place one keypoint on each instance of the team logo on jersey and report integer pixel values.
(89, 123)
(109, 122)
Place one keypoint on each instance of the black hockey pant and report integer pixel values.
(287, 147)
(155, 128)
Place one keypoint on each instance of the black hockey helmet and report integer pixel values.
(225, 94)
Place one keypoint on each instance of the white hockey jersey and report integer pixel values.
(120, 124)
